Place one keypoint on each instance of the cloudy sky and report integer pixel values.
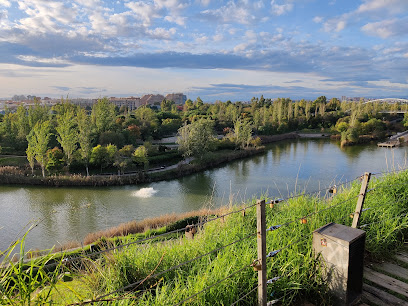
(215, 49)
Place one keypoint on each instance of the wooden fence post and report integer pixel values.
(261, 241)
(361, 198)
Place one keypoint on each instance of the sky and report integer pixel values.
(215, 49)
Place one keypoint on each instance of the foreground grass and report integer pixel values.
(385, 221)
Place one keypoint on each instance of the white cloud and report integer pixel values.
(202, 39)
(241, 47)
(218, 37)
(161, 33)
(173, 5)
(146, 12)
(318, 19)
(46, 16)
(377, 9)
(390, 6)
(89, 3)
(36, 59)
(176, 19)
(335, 25)
(5, 3)
(240, 11)
(171, 9)
(387, 28)
(281, 9)
(204, 2)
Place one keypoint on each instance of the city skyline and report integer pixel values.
(217, 50)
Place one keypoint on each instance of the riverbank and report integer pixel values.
(223, 249)
(14, 176)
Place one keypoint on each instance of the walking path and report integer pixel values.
(386, 283)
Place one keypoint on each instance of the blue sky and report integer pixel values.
(218, 50)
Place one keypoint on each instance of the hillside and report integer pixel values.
(214, 268)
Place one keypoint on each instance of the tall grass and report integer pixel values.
(27, 283)
(385, 223)
(296, 264)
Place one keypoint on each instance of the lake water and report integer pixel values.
(68, 214)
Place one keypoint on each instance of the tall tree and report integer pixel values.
(31, 156)
(22, 125)
(84, 137)
(139, 156)
(38, 143)
(197, 138)
(67, 134)
(103, 115)
(37, 113)
(147, 120)
(242, 133)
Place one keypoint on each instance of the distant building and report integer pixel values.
(178, 98)
(131, 102)
(152, 99)
(83, 102)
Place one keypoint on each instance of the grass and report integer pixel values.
(13, 161)
(161, 224)
(295, 263)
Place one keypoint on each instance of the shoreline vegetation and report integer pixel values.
(15, 175)
(300, 278)
(65, 142)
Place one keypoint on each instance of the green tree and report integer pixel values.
(55, 159)
(197, 138)
(342, 127)
(111, 151)
(166, 105)
(147, 120)
(198, 102)
(22, 125)
(103, 115)
(139, 156)
(67, 134)
(7, 126)
(242, 133)
(188, 105)
(37, 113)
(405, 121)
(38, 143)
(98, 156)
(31, 157)
(84, 137)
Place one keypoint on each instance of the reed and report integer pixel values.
(27, 283)
(134, 227)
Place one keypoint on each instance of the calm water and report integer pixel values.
(70, 213)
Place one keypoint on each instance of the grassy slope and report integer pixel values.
(295, 263)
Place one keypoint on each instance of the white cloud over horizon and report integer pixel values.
(360, 50)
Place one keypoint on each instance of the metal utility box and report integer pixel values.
(342, 253)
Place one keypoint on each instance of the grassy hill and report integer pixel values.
(214, 267)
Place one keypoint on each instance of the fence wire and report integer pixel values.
(134, 284)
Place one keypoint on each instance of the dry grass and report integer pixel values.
(134, 227)
(10, 170)
(68, 246)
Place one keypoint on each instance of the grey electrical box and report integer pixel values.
(341, 249)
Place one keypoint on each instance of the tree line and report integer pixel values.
(106, 135)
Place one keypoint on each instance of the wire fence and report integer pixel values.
(304, 237)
